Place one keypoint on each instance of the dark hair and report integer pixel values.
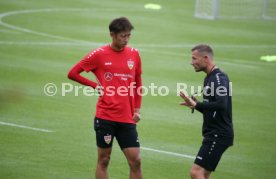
(120, 24)
(203, 48)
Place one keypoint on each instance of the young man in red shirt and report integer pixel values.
(117, 68)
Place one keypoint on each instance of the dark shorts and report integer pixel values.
(209, 154)
(125, 133)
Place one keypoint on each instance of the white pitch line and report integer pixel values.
(2, 15)
(168, 153)
(9, 31)
(143, 148)
(25, 127)
(51, 43)
(140, 46)
(96, 44)
(26, 30)
(82, 42)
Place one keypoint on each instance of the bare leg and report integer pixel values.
(197, 172)
(207, 174)
(103, 161)
(134, 161)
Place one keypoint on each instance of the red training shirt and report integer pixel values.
(119, 73)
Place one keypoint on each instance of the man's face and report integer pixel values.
(198, 61)
(121, 39)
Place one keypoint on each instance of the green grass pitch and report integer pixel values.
(41, 40)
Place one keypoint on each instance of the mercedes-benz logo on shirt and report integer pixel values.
(108, 76)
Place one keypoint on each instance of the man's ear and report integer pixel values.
(112, 34)
(206, 58)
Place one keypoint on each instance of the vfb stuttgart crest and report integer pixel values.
(107, 138)
(130, 64)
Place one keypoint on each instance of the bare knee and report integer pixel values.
(197, 172)
(194, 174)
(135, 163)
(103, 162)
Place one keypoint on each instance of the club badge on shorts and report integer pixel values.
(107, 139)
(130, 64)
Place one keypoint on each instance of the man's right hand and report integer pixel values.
(188, 101)
(100, 90)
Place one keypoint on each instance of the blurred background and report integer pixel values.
(45, 136)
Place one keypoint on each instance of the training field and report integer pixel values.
(52, 136)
